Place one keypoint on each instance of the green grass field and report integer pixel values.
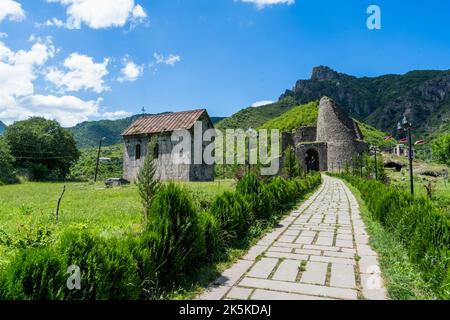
(440, 185)
(27, 208)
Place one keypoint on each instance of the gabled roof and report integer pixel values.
(164, 123)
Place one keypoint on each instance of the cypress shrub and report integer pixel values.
(108, 269)
(278, 189)
(211, 229)
(248, 185)
(34, 274)
(174, 221)
(233, 213)
(266, 203)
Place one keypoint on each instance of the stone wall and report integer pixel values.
(341, 134)
(305, 134)
(202, 172)
(168, 168)
(334, 124)
(322, 150)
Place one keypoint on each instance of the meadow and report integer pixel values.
(27, 210)
(422, 178)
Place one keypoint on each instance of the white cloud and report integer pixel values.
(261, 103)
(18, 100)
(100, 14)
(139, 14)
(52, 22)
(170, 60)
(131, 71)
(3, 35)
(67, 110)
(17, 69)
(261, 4)
(82, 74)
(116, 115)
(11, 10)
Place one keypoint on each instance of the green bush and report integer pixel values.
(248, 185)
(108, 270)
(34, 274)
(417, 223)
(233, 213)
(256, 195)
(292, 166)
(441, 149)
(211, 229)
(144, 251)
(181, 244)
(266, 203)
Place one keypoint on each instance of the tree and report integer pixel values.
(441, 149)
(148, 182)
(42, 147)
(292, 167)
(6, 163)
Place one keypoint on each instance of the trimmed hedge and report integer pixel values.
(254, 200)
(108, 271)
(176, 241)
(417, 223)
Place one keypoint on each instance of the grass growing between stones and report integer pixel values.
(402, 278)
(224, 259)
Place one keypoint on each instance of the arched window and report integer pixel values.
(138, 151)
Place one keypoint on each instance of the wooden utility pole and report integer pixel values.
(98, 158)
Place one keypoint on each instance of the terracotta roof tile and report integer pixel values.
(164, 123)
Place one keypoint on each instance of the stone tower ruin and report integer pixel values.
(332, 144)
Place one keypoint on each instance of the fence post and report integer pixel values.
(59, 203)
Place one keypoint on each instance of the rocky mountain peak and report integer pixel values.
(323, 73)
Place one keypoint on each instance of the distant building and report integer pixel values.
(401, 150)
(138, 135)
(332, 144)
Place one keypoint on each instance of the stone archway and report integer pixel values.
(312, 161)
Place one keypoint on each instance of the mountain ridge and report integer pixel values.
(421, 95)
(381, 101)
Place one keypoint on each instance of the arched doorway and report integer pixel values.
(312, 160)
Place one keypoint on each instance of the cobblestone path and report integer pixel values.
(320, 251)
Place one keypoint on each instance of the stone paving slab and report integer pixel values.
(315, 273)
(260, 294)
(287, 271)
(320, 251)
(308, 289)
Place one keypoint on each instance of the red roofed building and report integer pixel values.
(137, 137)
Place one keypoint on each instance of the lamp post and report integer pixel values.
(402, 126)
(373, 148)
(98, 157)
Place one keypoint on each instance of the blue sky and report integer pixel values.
(77, 60)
